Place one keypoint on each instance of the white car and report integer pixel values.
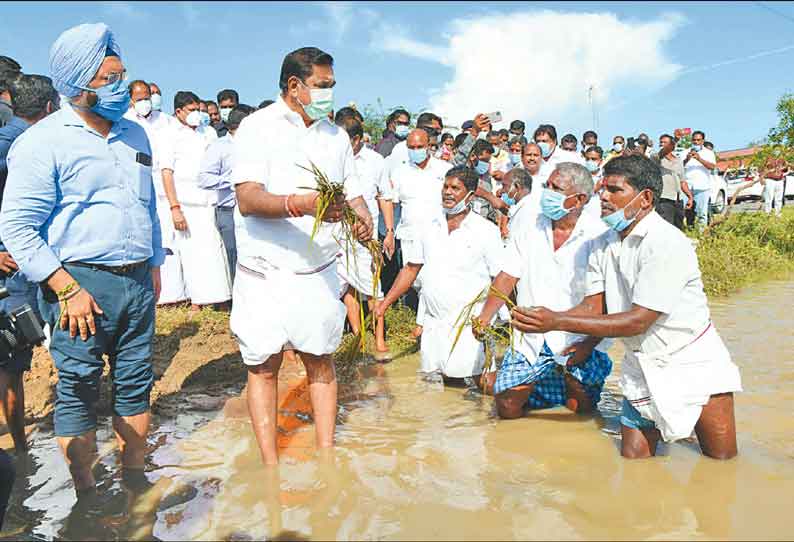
(735, 179)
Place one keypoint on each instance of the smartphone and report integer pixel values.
(630, 144)
(494, 117)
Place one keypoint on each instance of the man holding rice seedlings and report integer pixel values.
(677, 376)
(546, 264)
(358, 272)
(457, 253)
(286, 290)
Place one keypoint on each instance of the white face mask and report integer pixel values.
(193, 118)
(143, 107)
(225, 113)
(459, 207)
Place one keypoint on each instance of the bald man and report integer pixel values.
(417, 188)
(159, 128)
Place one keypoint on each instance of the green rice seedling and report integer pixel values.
(488, 335)
(329, 192)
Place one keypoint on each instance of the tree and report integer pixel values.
(780, 143)
(783, 133)
(375, 119)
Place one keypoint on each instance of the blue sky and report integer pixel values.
(653, 66)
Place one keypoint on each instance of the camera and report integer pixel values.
(20, 330)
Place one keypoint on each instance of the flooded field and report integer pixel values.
(418, 461)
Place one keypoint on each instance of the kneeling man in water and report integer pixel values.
(677, 374)
(546, 263)
(459, 254)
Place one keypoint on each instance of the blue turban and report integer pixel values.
(77, 54)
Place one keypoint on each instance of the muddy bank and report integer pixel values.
(196, 353)
(195, 357)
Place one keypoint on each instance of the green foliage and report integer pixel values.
(783, 133)
(685, 141)
(746, 248)
(375, 119)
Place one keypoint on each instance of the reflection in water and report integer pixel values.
(417, 461)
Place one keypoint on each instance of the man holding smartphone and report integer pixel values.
(698, 164)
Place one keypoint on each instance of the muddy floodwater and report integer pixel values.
(417, 461)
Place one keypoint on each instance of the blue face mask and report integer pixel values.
(157, 102)
(545, 149)
(508, 200)
(482, 167)
(401, 131)
(552, 204)
(591, 165)
(697, 148)
(113, 100)
(617, 220)
(417, 156)
(205, 119)
(515, 158)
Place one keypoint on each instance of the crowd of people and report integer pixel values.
(112, 206)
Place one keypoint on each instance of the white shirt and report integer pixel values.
(547, 165)
(655, 267)
(457, 266)
(270, 145)
(698, 177)
(159, 128)
(371, 168)
(398, 157)
(187, 148)
(556, 279)
(519, 216)
(419, 192)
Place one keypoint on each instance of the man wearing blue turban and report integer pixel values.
(79, 218)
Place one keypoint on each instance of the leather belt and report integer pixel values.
(125, 269)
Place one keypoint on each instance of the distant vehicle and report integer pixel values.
(738, 178)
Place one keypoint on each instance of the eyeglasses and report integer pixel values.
(114, 77)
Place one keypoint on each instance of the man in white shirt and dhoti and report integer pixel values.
(287, 290)
(677, 375)
(458, 254)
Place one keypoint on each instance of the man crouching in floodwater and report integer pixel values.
(459, 253)
(546, 263)
(677, 374)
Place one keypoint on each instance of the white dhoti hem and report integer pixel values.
(438, 335)
(671, 387)
(203, 256)
(279, 309)
(356, 271)
(173, 283)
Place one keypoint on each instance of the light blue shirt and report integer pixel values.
(74, 195)
(216, 170)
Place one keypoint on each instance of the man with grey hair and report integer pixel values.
(545, 263)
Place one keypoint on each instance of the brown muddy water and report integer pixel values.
(416, 461)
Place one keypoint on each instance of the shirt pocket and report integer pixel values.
(143, 186)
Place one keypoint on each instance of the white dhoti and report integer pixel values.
(203, 257)
(671, 387)
(275, 309)
(173, 283)
(438, 336)
(356, 271)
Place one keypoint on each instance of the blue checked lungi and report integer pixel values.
(549, 377)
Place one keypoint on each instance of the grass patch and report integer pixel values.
(745, 248)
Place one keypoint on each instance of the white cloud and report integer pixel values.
(538, 65)
(122, 9)
(336, 21)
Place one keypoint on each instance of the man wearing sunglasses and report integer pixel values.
(79, 217)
